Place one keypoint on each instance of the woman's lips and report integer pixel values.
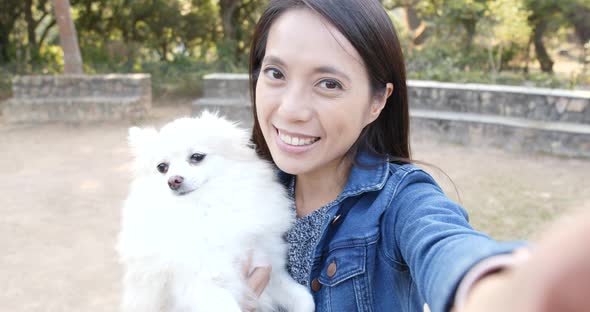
(294, 143)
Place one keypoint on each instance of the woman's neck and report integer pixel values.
(315, 189)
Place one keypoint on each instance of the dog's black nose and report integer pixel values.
(175, 182)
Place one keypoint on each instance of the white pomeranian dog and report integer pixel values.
(201, 204)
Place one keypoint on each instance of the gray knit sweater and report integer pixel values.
(302, 239)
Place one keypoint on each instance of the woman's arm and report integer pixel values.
(556, 276)
(432, 236)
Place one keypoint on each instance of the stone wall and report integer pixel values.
(509, 101)
(76, 98)
(548, 121)
(227, 94)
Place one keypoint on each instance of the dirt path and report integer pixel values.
(61, 188)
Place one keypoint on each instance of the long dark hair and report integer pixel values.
(369, 29)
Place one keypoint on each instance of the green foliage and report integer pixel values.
(51, 56)
(441, 61)
(584, 77)
(182, 77)
(507, 22)
(178, 41)
(504, 26)
(5, 82)
(147, 28)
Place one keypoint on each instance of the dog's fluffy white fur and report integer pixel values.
(183, 248)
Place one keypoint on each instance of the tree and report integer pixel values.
(579, 16)
(10, 12)
(413, 21)
(455, 14)
(35, 14)
(548, 15)
(68, 37)
(238, 20)
(142, 29)
(505, 24)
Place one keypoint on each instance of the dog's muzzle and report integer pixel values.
(175, 182)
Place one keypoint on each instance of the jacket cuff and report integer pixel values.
(487, 266)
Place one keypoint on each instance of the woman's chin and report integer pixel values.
(291, 166)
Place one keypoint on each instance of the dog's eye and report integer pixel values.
(196, 157)
(163, 167)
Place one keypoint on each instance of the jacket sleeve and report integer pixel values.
(433, 237)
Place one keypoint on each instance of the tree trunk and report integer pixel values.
(227, 10)
(540, 50)
(46, 32)
(413, 21)
(528, 55)
(4, 57)
(470, 27)
(163, 56)
(32, 48)
(10, 12)
(68, 37)
(580, 18)
(420, 30)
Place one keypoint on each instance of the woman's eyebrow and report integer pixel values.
(274, 60)
(331, 70)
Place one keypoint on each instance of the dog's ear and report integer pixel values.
(242, 148)
(139, 139)
(207, 114)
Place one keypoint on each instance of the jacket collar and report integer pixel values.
(369, 173)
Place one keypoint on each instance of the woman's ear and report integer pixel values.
(378, 103)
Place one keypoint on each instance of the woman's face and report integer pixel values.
(313, 94)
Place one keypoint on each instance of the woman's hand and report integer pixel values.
(556, 276)
(256, 278)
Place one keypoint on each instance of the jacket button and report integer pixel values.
(315, 285)
(331, 269)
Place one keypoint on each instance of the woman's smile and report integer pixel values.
(312, 106)
(294, 143)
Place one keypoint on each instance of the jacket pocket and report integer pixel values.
(345, 281)
(342, 264)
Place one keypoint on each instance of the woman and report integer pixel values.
(374, 232)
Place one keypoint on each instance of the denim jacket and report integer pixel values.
(393, 242)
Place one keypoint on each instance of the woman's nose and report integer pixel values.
(295, 104)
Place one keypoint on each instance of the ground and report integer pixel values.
(62, 187)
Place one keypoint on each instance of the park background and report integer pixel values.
(62, 185)
(543, 43)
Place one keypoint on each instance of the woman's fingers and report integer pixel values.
(246, 265)
(559, 269)
(258, 279)
(553, 275)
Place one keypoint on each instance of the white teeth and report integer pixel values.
(295, 140)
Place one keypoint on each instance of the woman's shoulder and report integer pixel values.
(406, 175)
(414, 193)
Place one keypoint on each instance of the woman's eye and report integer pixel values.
(162, 167)
(330, 84)
(274, 73)
(196, 158)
